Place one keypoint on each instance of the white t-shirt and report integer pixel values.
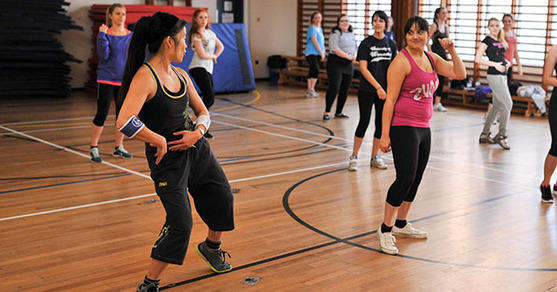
(209, 48)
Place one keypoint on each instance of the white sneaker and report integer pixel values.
(353, 163)
(378, 162)
(309, 94)
(439, 108)
(409, 231)
(315, 94)
(387, 242)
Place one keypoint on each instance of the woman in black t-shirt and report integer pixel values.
(494, 46)
(375, 54)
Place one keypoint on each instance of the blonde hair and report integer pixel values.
(110, 10)
(500, 34)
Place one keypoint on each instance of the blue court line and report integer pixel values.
(64, 183)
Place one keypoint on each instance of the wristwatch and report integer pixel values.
(200, 130)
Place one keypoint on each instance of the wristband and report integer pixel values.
(132, 127)
(200, 130)
(204, 120)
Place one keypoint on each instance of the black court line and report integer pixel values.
(348, 240)
(64, 183)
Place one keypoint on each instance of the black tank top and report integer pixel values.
(436, 46)
(166, 113)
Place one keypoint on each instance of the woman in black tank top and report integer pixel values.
(179, 158)
(439, 30)
(548, 79)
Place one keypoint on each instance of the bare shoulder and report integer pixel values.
(401, 64)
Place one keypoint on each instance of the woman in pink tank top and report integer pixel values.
(411, 83)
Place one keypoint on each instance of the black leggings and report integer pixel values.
(411, 147)
(198, 172)
(366, 100)
(313, 61)
(204, 81)
(339, 75)
(105, 93)
(552, 117)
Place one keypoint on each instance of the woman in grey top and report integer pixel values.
(342, 51)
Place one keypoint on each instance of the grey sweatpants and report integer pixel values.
(502, 104)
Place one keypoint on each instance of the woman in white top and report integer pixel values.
(203, 41)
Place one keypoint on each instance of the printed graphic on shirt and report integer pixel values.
(426, 90)
(378, 54)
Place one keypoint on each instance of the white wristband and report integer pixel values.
(204, 120)
(201, 130)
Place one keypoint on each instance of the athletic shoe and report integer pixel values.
(387, 242)
(326, 117)
(148, 288)
(502, 141)
(315, 94)
(378, 162)
(439, 108)
(95, 156)
(341, 116)
(216, 258)
(309, 94)
(121, 152)
(486, 139)
(409, 231)
(353, 163)
(546, 194)
(555, 191)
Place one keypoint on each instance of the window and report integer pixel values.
(360, 11)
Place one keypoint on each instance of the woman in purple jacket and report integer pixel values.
(112, 48)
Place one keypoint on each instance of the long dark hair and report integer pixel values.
(337, 27)
(195, 26)
(149, 33)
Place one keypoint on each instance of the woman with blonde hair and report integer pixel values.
(112, 48)
(494, 46)
(203, 41)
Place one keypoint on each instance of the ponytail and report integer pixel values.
(149, 33)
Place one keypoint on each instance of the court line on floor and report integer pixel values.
(368, 143)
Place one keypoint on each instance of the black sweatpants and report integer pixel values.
(195, 170)
(105, 94)
(366, 100)
(339, 75)
(314, 61)
(411, 147)
(204, 81)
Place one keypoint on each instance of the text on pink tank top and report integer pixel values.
(414, 106)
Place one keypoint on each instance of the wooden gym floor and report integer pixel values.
(303, 222)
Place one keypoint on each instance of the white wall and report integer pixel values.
(79, 43)
(272, 31)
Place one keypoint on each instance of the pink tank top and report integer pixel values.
(414, 106)
(509, 53)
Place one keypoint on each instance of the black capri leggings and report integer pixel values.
(552, 117)
(339, 75)
(195, 170)
(105, 92)
(204, 81)
(314, 61)
(366, 100)
(411, 147)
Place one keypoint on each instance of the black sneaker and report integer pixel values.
(341, 116)
(148, 288)
(546, 194)
(502, 141)
(326, 117)
(486, 139)
(216, 258)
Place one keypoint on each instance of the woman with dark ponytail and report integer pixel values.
(154, 98)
